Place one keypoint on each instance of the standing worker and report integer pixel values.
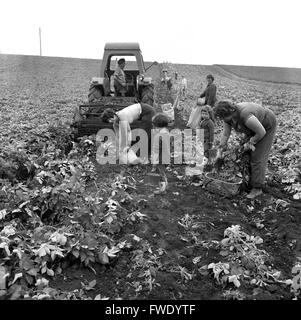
(184, 86)
(166, 79)
(259, 125)
(210, 92)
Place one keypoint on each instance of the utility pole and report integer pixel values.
(40, 36)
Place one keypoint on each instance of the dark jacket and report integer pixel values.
(209, 94)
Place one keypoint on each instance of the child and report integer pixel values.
(207, 124)
(160, 156)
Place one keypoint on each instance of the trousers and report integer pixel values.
(259, 157)
(147, 112)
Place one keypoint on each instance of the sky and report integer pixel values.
(235, 32)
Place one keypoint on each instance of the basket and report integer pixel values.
(168, 109)
(152, 179)
(227, 189)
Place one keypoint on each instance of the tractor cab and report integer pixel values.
(102, 95)
(134, 71)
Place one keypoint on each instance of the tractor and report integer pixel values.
(140, 88)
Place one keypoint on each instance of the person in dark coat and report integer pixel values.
(210, 92)
(166, 80)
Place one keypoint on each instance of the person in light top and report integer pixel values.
(119, 79)
(123, 119)
(184, 86)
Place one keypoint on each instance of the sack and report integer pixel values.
(132, 157)
(200, 102)
(168, 109)
(176, 104)
(129, 157)
(195, 117)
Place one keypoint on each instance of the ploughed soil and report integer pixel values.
(176, 246)
(40, 92)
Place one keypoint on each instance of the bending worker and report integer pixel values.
(124, 118)
(259, 124)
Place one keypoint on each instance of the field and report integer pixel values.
(270, 74)
(73, 229)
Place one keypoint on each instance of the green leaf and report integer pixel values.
(2, 278)
(296, 269)
(224, 253)
(17, 276)
(83, 256)
(17, 291)
(75, 253)
(33, 272)
(203, 270)
(103, 258)
(3, 293)
(29, 279)
(42, 252)
(50, 272)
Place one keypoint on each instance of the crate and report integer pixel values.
(223, 188)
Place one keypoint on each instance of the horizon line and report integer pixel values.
(171, 62)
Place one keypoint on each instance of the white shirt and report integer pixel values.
(127, 116)
(184, 83)
(130, 113)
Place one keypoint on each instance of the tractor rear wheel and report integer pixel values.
(147, 95)
(95, 93)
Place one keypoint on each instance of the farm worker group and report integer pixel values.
(258, 123)
(180, 85)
